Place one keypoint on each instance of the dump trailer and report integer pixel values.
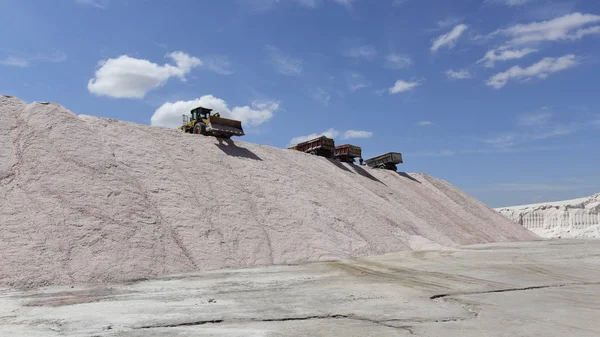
(320, 146)
(347, 153)
(203, 122)
(386, 161)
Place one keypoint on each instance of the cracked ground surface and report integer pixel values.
(545, 289)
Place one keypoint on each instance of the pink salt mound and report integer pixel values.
(85, 199)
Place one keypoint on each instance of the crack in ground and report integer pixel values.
(438, 296)
(387, 323)
(283, 319)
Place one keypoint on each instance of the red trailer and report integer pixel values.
(321, 146)
(347, 153)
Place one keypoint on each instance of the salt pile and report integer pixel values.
(577, 218)
(85, 199)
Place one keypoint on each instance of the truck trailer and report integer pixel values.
(386, 161)
(347, 153)
(320, 146)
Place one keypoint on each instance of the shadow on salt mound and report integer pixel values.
(366, 174)
(230, 149)
(406, 175)
(339, 165)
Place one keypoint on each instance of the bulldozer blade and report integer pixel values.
(224, 126)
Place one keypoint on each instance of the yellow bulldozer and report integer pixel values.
(203, 122)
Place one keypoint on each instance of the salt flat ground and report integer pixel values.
(544, 288)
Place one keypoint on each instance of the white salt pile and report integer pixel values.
(85, 199)
(577, 218)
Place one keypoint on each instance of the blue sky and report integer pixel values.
(499, 97)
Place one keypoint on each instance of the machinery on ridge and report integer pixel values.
(203, 122)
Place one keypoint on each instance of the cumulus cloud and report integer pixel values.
(504, 54)
(397, 61)
(541, 70)
(333, 133)
(403, 86)
(449, 40)
(365, 52)
(461, 74)
(128, 77)
(354, 134)
(283, 63)
(170, 114)
(567, 27)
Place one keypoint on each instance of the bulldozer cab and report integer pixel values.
(200, 113)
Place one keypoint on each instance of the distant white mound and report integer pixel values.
(85, 199)
(577, 218)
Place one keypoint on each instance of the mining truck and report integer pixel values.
(386, 161)
(320, 146)
(203, 122)
(347, 153)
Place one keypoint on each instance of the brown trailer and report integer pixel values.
(321, 146)
(347, 153)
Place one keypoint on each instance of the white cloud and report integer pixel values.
(128, 77)
(353, 134)
(567, 27)
(284, 64)
(449, 40)
(13, 61)
(503, 140)
(532, 127)
(541, 70)
(23, 61)
(424, 123)
(461, 74)
(170, 114)
(365, 52)
(346, 3)
(309, 3)
(504, 54)
(331, 133)
(511, 3)
(534, 119)
(403, 86)
(450, 21)
(219, 64)
(94, 3)
(397, 61)
(266, 5)
(356, 81)
(321, 95)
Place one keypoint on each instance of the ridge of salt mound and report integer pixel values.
(86, 199)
